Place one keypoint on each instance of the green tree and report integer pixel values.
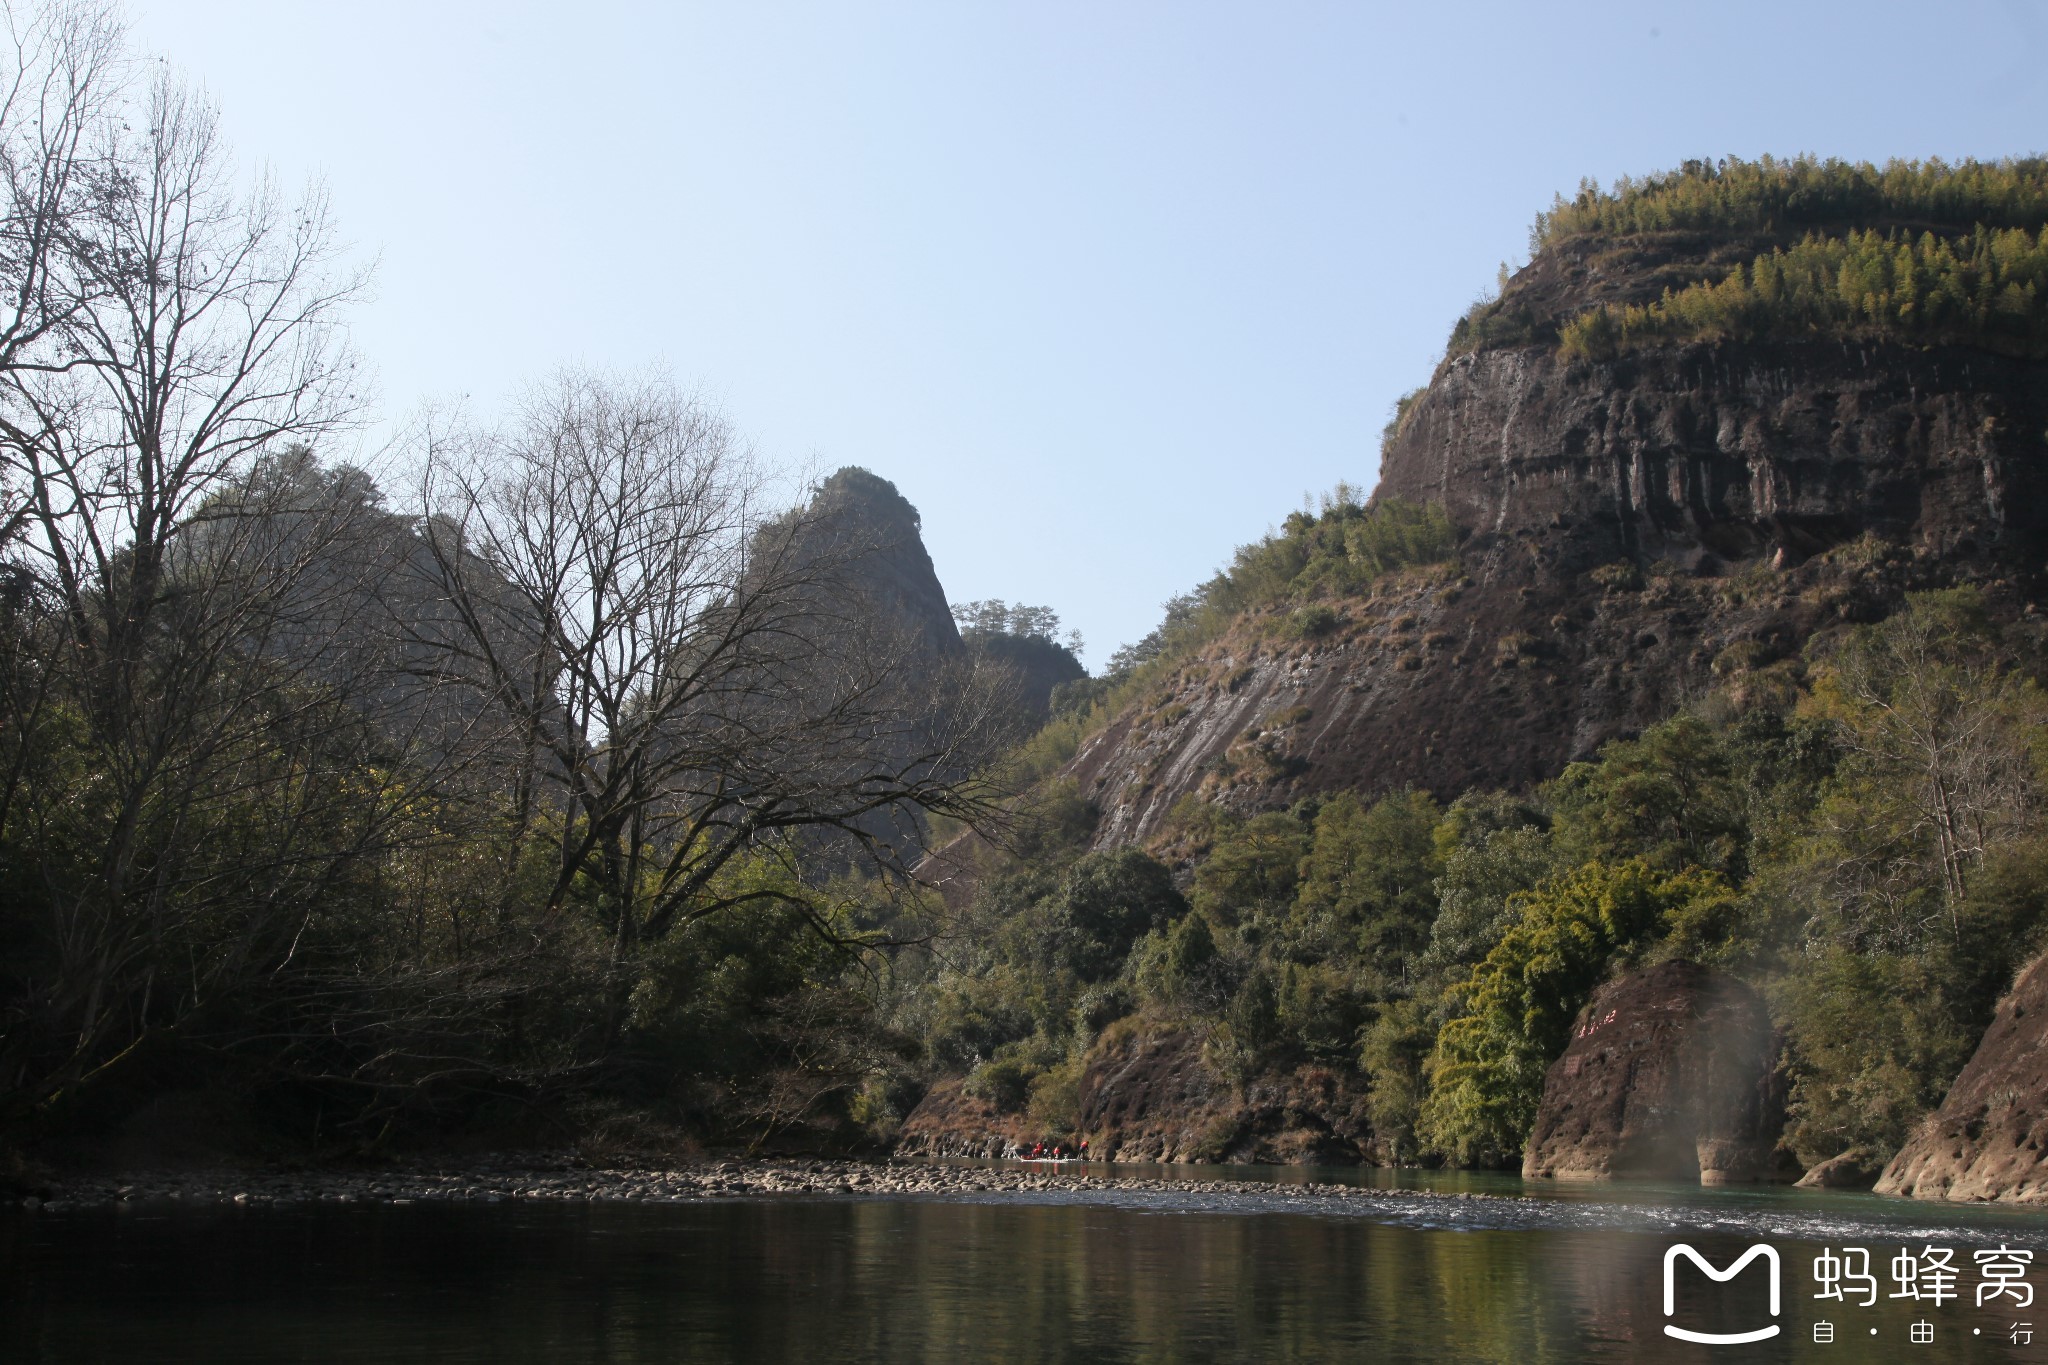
(1392, 1052)
(1102, 905)
(1940, 740)
(1491, 846)
(1181, 966)
(1876, 1039)
(1670, 796)
(1486, 1073)
(1252, 868)
(1367, 883)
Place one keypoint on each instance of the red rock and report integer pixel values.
(1671, 1074)
(1152, 1095)
(951, 1122)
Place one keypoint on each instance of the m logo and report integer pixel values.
(1770, 1255)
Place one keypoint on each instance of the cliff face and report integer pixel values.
(1712, 455)
(861, 520)
(949, 1122)
(1151, 1095)
(1989, 1139)
(1633, 527)
(865, 528)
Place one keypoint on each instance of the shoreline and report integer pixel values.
(536, 1180)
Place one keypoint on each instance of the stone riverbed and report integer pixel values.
(498, 1182)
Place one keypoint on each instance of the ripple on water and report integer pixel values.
(1832, 1217)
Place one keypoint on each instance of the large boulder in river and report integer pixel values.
(1989, 1138)
(1672, 1074)
(1854, 1169)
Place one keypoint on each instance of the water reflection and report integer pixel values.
(862, 1279)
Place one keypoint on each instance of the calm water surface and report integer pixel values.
(1569, 1273)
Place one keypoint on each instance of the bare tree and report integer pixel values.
(65, 70)
(201, 332)
(682, 678)
(178, 333)
(607, 681)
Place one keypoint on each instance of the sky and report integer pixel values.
(1105, 289)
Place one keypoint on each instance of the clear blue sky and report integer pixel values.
(1105, 288)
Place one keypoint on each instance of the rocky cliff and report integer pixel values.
(1671, 1074)
(1989, 1139)
(1039, 665)
(1632, 528)
(1633, 532)
(1152, 1096)
(949, 1122)
(861, 525)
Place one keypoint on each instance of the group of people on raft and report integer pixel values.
(1056, 1151)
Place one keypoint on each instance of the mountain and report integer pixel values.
(1700, 589)
(878, 536)
(1633, 524)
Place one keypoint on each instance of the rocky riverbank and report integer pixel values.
(500, 1182)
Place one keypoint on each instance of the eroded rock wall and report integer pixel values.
(949, 1122)
(1629, 524)
(1149, 1093)
(1714, 454)
(1989, 1138)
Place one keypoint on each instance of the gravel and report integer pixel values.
(496, 1180)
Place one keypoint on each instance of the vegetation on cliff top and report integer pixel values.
(1769, 195)
(1918, 251)
(1337, 550)
(1989, 289)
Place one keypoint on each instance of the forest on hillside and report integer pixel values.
(1856, 831)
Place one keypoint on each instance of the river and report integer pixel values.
(1563, 1274)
